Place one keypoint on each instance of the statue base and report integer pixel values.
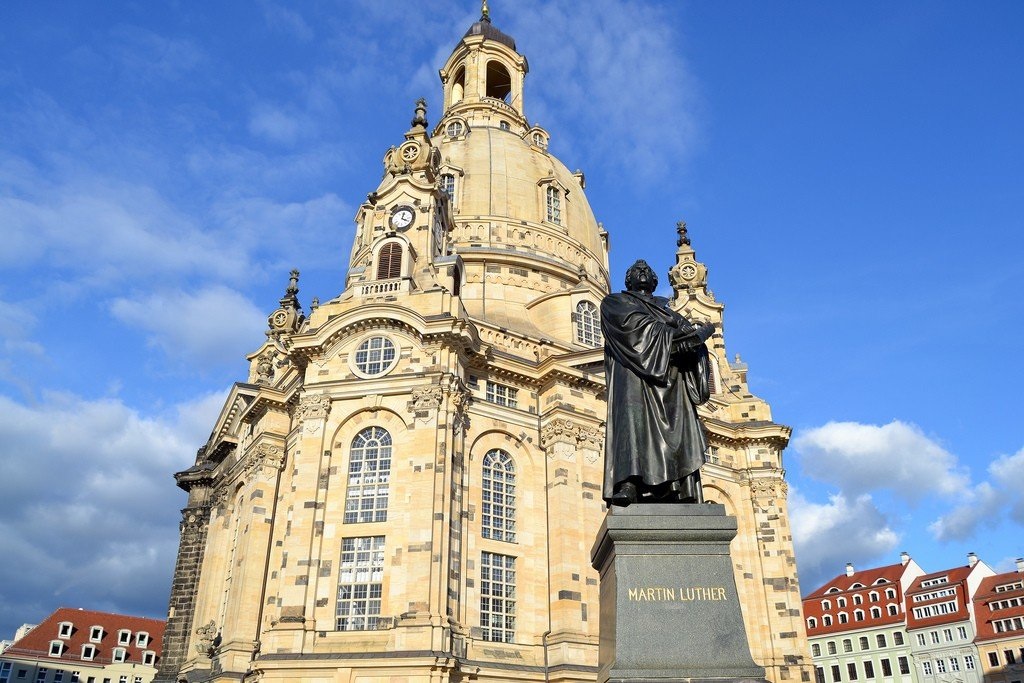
(669, 608)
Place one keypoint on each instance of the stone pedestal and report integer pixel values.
(669, 608)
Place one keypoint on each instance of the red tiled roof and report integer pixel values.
(36, 643)
(866, 577)
(860, 585)
(987, 594)
(956, 577)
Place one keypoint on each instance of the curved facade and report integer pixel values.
(407, 485)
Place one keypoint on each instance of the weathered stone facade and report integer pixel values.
(408, 485)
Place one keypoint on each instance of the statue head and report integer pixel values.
(641, 278)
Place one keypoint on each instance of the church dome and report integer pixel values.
(485, 28)
(509, 192)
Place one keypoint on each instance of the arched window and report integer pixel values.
(499, 83)
(858, 615)
(893, 610)
(890, 593)
(876, 612)
(873, 596)
(858, 599)
(843, 618)
(459, 85)
(554, 204)
(588, 324)
(826, 620)
(826, 604)
(389, 261)
(841, 602)
(369, 471)
(812, 622)
(498, 519)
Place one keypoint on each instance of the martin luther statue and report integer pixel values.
(656, 366)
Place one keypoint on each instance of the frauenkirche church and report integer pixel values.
(408, 484)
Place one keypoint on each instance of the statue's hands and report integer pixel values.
(705, 331)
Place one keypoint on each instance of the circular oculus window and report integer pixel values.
(454, 129)
(375, 356)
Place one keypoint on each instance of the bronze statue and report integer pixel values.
(656, 366)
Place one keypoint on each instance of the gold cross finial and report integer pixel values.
(485, 12)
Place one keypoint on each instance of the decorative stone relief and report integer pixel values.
(459, 398)
(314, 407)
(426, 398)
(192, 523)
(592, 439)
(559, 431)
(205, 636)
(264, 455)
(265, 366)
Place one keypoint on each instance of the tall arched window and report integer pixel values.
(459, 85)
(554, 204)
(588, 324)
(369, 471)
(498, 520)
(499, 82)
(389, 262)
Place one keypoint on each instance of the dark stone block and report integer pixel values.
(669, 608)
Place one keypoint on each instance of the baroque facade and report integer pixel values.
(408, 484)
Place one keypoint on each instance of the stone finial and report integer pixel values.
(420, 117)
(293, 283)
(683, 238)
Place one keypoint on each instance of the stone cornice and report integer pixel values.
(747, 433)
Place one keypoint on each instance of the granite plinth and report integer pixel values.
(669, 608)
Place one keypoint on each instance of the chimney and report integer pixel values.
(849, 569)
(972, 559)
(1020, 565)
(904, 558)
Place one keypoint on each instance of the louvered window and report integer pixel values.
(389, 263)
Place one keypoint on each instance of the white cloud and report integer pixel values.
(275, 125)
(828, 535)
(859, 458)
(980, 506)
(215, 324)
(1008, 473)
(88, 511)
(988, 504)
(625, 95)
(286, 20)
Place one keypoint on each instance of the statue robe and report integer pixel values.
(656, 367)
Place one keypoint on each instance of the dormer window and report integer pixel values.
(588, 324)
(540, 140)
(96, 634)
(64, 629)
(455, 129)
(141, 639)
(149, 658)
(124, 637)
(554, 204)
(88, 652)
(120, 654)
(448, 186)
(56, 648)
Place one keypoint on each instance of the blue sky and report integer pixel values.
(852, 175)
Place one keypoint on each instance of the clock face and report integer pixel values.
(402, 217)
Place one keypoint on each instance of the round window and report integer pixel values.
(375, 356)
(454, 129)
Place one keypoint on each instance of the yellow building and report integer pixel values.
(408, 484)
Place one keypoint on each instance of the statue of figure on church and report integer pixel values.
(656, 367)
